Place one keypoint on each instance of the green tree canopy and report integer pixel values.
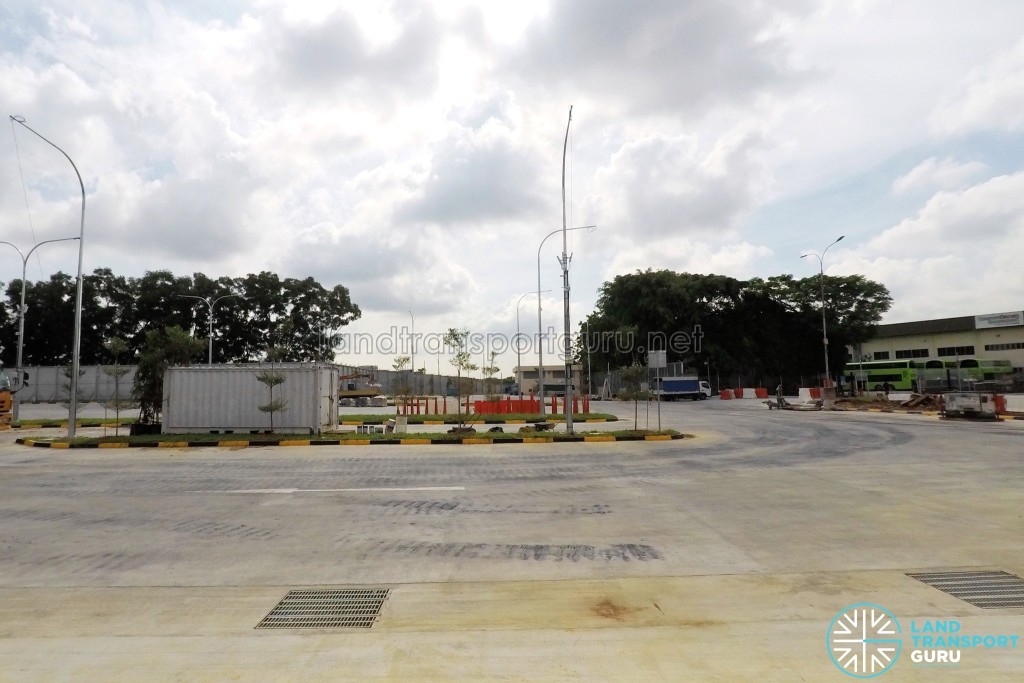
(301, 316)
(759, 328)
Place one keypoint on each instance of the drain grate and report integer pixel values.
(340, 608)
(988, 590)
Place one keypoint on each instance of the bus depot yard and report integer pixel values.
(721, 557)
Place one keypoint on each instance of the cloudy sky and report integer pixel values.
(412, 151)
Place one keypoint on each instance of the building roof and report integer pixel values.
(967, 323)
(939, 326)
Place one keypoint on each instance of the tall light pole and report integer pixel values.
(73, 400)
(824, 329)
(413, 361)
(540, 321)
(21, 312)
(210, 303)
(519, 350)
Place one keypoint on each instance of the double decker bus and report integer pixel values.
(927, 375)
(880, 375)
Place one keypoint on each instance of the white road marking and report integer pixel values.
(359, 490)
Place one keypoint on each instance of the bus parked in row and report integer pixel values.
(930, 376)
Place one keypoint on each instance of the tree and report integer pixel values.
(491, 383)
(458, 340)
(400, 365)
(760, 329)
(271, 378)
(116, 347)
(162, 349)
(633, 378)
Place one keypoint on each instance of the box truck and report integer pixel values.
(672, 388)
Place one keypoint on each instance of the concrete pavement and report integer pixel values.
(720, 558)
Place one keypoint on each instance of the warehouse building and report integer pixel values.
(992, 336)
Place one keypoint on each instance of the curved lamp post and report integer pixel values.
(73, 399)
(821, 271)
(519, 351)
(206, 300)
(540, 322)
(21, 310)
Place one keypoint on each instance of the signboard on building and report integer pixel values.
(984, 322)
(656, 359)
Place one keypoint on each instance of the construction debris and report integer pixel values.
(924, 402)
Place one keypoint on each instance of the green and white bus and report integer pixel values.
(926, 375)
(880, 375)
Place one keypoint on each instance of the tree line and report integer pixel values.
(299, 318)
(764, 330)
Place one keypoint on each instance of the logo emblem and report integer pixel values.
(864, 640)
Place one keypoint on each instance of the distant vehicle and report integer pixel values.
(5, 400)
(672, 388)
(364, 386)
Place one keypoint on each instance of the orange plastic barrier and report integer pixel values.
(738, 393)
(760, 393)
(1000, 402)
(815, 393)
(726, 394)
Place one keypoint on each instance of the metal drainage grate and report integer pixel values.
(343, 608)
(988, 590)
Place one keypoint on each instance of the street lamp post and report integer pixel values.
(73, 399)
(413, 360)
(21, 312)
(206, 300)
(519, 349)
(540, 320)
(824, 329)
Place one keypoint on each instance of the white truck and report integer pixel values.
(691, 387)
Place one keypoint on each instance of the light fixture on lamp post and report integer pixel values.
(210, 304)
(73, 399)
(21, 312)
(540, 320)
(824, 329)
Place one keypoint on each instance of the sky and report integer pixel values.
(413, 151)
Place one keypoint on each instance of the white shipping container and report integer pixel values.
(221, 398)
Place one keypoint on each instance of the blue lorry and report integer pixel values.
(672, 388)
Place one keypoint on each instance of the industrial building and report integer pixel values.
(992, 336)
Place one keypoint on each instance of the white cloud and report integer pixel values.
(412, 151)
(961, 253)
(936, 174)
(992, 95)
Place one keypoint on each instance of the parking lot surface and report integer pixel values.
(726, 557)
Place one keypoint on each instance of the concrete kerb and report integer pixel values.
(464, 441)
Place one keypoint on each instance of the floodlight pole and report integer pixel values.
(73, 400)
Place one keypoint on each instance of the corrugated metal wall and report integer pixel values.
(48, 384)
(228, 397)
